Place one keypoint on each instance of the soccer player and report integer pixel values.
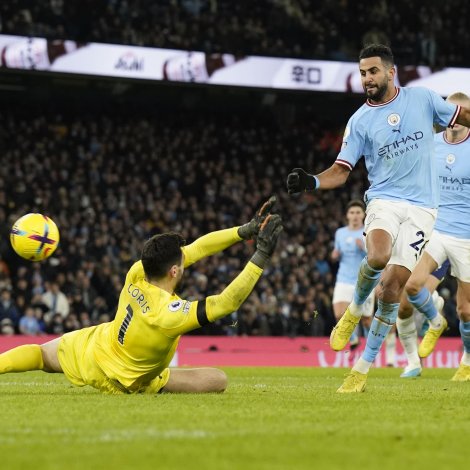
(449, 240)
(393, 130)
(349, 250)
(131, 354)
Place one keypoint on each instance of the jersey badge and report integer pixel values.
(394, 119)
(175, 305)
(450, 159)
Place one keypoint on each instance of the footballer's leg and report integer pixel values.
(50, 357)
(379, 247)
(421, 298)
(199, 380)
(412, 297)
(463, 309)
(406, 325)
(31, 357)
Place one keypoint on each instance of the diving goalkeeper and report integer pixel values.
(131, 354)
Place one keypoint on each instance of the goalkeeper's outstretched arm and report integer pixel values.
(232, 297)
(220, 240)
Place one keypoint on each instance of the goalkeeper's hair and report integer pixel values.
(378, 50)
(160, 253)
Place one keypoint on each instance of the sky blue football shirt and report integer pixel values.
(396, 139)
(350, 254)
(453, 167)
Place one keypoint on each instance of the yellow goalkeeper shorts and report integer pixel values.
(76, 356)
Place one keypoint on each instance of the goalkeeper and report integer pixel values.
(131, 354)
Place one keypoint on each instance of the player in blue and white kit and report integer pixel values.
(449, 240)
(349, 250)
(393, 130)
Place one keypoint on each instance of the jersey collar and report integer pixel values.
(397, 90)
(459, 141)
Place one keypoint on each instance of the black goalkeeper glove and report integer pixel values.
(251, 229)
(299, 180)
(267, 240)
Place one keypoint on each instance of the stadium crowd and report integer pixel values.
(110, 183)
(419, 32)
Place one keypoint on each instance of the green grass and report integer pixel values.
(269, 418)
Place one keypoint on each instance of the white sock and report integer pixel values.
(436, 322)
(390, 348)
(438, 301)
(409, 340)
(465, 359)
(355, 309)
(362, 366)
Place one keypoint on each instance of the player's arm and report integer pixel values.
(336, 253)
(231, 298)
(210, 244)
(299, 180)
(215, 242)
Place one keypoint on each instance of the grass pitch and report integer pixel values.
(269, 418)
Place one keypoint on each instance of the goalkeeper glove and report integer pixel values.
(267, 240)
(251, 229)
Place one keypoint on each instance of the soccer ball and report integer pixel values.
(34, 237)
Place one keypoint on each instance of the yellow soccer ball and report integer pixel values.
(34, 237)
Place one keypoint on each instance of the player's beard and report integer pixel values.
(378, 93)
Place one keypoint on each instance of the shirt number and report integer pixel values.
(125, 324)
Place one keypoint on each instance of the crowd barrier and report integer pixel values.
(272, 351)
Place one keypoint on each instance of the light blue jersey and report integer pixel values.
(453, 167)
(396, 139)
(350, 254)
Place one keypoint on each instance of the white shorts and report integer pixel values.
(409, 226)
(345, 293)
(441, 247)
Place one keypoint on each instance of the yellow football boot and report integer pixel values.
(427, 345)
(355, 382)
(462, 374)
(343, 330)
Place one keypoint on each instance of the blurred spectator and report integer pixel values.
(7, 327)
(55, 300)
(8, 308)
(29, 324)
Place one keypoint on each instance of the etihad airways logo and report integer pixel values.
(401, 146)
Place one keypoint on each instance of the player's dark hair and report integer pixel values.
(356, 203)
(378, 50)
(160, 253)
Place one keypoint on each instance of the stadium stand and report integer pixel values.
(112, 182)
(418, 33)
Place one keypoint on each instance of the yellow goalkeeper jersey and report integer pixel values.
(140, 342)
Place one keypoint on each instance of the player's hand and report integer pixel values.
(360, 244)
(251, 229)
(299, 180)
(267, 239)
